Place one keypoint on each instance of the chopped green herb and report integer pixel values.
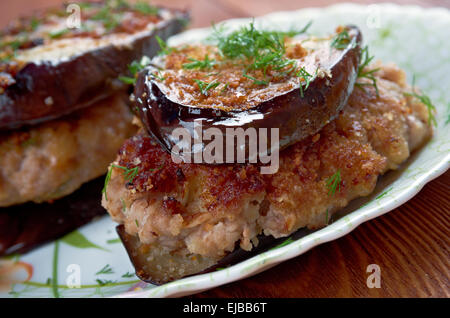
(109, 19)
(129, 175)
(261, 50)
(205, 87)
(34, 23)
(158, 75)
(255, 80)
(164, 48)
(58, 34)
(427, 102)
(107, 178)
(105, 270)
(341, 40)
(364, 61)
(201, 64)
(293, 32)
(127, 80)
(306, 77)
(334, 182)
(225, 87)
(145, 8)
(135, 67)
(137, 223)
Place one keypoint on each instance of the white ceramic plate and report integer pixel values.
(414, 38)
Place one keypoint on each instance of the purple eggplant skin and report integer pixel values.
(296, 117)
(42, 92)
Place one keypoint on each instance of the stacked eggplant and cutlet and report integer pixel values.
(63, 111)
(341, 123)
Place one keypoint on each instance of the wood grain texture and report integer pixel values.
(410, 244)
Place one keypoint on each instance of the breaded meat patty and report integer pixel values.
(54, 159)
(199, 212)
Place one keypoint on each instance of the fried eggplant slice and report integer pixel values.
(48, 70)
(294, 84)
(195, 214)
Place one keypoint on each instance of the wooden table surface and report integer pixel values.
(410, 244)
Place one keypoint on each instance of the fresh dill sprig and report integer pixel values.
(425, 99)
(127, 80)
(334, 182)
(306, 77)
(105, 270)
(255, 80)
(129, 175)
(109, 19)
(261, 49)
(58, 34)
(200, 64)
(225, 87)
(247, 42)
(137, 66)
(205, 87)
(341, 40)
(117, 4)
(364, 60)
(105, 185)
(158, 75)
(34, 23)
(134, 68)
(164, 48)
(145, 8)
(293, 32)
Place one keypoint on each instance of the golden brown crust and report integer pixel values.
(212, 207)
(53, 159)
